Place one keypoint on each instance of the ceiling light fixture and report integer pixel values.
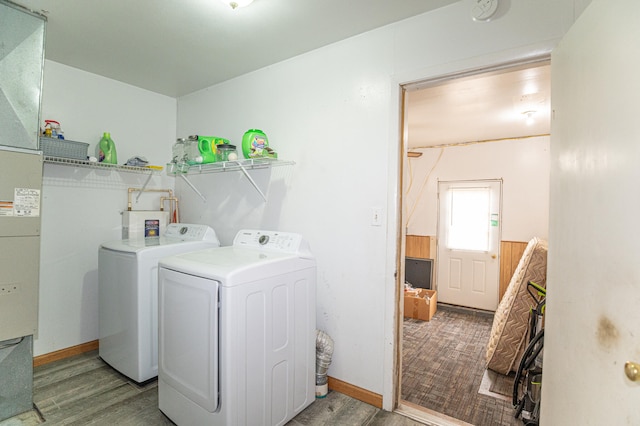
(529, 117)
(235, 4)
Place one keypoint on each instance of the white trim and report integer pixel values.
(428, 417)
(537, 52)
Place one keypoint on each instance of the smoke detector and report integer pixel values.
(483, 10)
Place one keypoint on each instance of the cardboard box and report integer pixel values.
(414, 292)
(420, 304)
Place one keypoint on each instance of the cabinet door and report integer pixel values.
(19, 263)
(21, 61)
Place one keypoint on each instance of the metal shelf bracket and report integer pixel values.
(226, 166)
(192, 186)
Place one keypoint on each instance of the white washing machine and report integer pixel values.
(237, 332)
(128, 295)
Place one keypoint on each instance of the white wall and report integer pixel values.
(522, 164)
(81, 207)
(335, 112)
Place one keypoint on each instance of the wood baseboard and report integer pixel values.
(65, 353)
(355, 392)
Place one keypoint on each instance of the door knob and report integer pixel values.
(493, 256)
(632, 370)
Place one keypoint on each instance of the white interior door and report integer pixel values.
(468, 243)
(593, 299)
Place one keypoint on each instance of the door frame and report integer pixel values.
(396, 403)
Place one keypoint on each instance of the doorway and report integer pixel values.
(468, 238)
(469, 157)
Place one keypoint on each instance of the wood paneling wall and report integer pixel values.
(419, 246)
(510, 254)
(423, 247)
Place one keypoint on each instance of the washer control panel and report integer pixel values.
(271, 240)
(190, 232)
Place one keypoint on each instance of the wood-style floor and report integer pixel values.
(83, 390)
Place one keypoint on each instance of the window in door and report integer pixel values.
(469, 219)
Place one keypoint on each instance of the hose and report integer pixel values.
(324, 352)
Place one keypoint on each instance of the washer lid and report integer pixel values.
(175, 233)
(142, 244)
(137, 244)
(235, 265)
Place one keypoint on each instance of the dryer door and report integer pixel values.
(188, 336)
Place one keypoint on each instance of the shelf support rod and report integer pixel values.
(146, 182)
(193, 187)
(253, 182)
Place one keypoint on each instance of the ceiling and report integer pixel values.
(180, 46)
(483, 107)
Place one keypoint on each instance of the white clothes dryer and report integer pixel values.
(237, 332)
(128, 296)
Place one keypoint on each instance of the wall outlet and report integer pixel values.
(8, 288)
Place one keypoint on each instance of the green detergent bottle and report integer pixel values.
(254, 143)
(107, 150)
(207, 148)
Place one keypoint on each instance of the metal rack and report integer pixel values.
(94, 165)
(225, 166)
(149, 171)
(184, 170)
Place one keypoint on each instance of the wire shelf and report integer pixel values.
(94, 165)
(225, 166)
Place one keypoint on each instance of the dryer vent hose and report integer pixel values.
(324, 351)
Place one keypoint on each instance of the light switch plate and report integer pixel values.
(376, 216)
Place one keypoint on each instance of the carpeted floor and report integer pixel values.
(497, 385)
(444, 364)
